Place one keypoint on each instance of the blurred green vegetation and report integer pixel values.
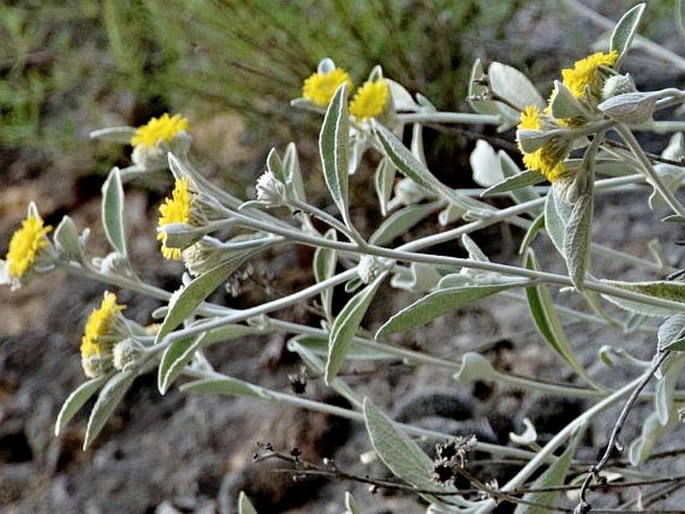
(67, 62)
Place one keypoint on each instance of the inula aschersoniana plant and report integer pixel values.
(580, 139)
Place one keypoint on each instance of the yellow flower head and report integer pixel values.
(100, 335)
(320, 87)
(542, 162)
(530, 118)
(547, 159)
(162, 129)
(175, 210)
(26, 245)
(370, 100)
(586, 72)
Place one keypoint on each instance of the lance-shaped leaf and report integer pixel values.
(113, 211)
(532, 232)
(554, 475)
(437, 304)
(556, 214)
(400, 222)
(510, 83)
(245, 505)
(325, 261)
(116, 134)
(664, 389)
(345, 327)
(641, 447)
(109, 398)
(663, 289)
(624, 32)
(189, 297)
(407, 164)
(334, 143)
(671, 334)
(175, 358)
(398, 452)
(543, 313)
(514, 182)
(384, 180)
(577, 239)
(225, 385)
(293, 173)
(76, 400)
(67, 239)
(357, 351)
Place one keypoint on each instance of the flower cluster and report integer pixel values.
(152, 141)
(174, 210)
(584, 82)
(105, 327)
(370, 100)
(29, 248)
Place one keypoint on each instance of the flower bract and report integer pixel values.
(586, 73)
(545, 160)
(162, 129)
(370, 100)
(174, 210)
(26, 245)
(320, 87)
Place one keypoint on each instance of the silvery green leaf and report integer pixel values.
(485, 165)
(675, 150)
(113, 211)
(528, 437)
(634, 322)
(510, 83)
(325, 261)
(400, 222)
(512, 183)
(401, 98)
(417, 143)
(473, 367)
(671, 178)
(225, 385)
(109, 397)
(657, 252)
(641, 447)
(555, 223)
(334, 142)
(680, 16)
(352, 285)
(67, 240)
(351, 504)
(345, 327)
(437, 304)
(293, 172)
(608, 354)
(545, 317)
(356, 351)
(450, 214)
(175, 358)
(475, 253)
(76, 400)
(671, 333)
(554, 475)
(227, 333)
(417, 278)
(532, 232)
(412, 168)
(624, 32)
(245, 505)
(564, 104)
(667, 290)
(665, 388)
(186, 299)
(398, 452)
(384, 179)
(477, 90)
(577, 239)
(275, 165)
(674, 218)
(116, 134)
(520, 194)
